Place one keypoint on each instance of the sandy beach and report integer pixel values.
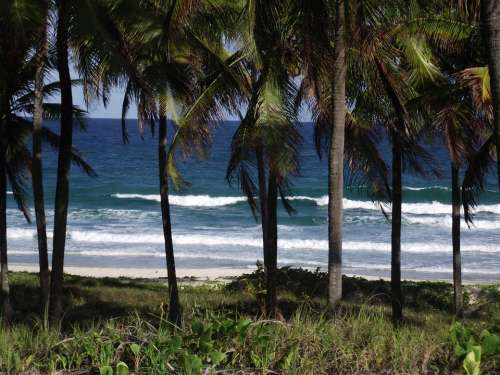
(142, 273)
(195, 274)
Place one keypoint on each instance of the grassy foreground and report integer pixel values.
(114, 324)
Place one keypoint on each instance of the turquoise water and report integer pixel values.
(115, 219)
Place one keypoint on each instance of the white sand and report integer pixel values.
(198, 274)
(143, 273)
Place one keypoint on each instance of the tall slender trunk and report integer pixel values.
(64, 164)
(490, 19)
(272, 247)
(336, 162)
(174, 312)
(261, 172)
(37, 177)
(455, 234)
(264, 214)
(396, 294)
(4, 277)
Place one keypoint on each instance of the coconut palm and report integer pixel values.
(169, 54)
(78, 24)
(336, 157)
(394, 60)
(18, 159)
(455, 122)
(37, 176)
(486, 15)
(490, 20)
(64, 160)
(321, 31)
(264, 149)
(18, 22)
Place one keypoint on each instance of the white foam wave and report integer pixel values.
(209, 201)
(186, 200)
(184, 255)
(20, 233)
(426, 188)
(446, 222)
(418, 208)
(204, 240)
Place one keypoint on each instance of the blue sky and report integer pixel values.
(114, 107)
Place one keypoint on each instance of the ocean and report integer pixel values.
(115, 219)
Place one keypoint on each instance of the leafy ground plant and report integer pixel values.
(118, 325)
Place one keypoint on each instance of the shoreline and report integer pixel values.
(202, 274)
(208, 274)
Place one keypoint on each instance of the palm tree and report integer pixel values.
(174, 303)
(486, 13)
(37, 176)
(168, 65)
(78, 24)
(64, 161)
(326, 65)
(398, 73)
(17, 163)
(490, 20)
(17, 22)
(336, 158)
(265, 145)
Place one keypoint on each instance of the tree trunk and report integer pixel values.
(261, 174)
(174, 312)
(272, 248)
(64, 164)
(37, 177)
(455, 234)
(6, 307)
(490, 19)
(396, 295)
(336, 162)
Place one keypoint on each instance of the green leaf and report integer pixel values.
(192, 363)
(490, 343)
(216, 357)
(477, 352)
(106, 370)
(459, 351)
(135, 348)
(242, 328)
(472, 364)
(197, 327)
(471, 344)
(205, 346)
(121, 369)
(175, 343)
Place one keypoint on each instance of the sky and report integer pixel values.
(114, 107)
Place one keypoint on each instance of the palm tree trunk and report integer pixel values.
(336, 163)
(64, 164)
(4, 277)
(261, 173)
(272, 247)
(174, 313)
(490, 18)
(455, 234)
(396, 294)
(37, 177)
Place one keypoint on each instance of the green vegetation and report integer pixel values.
(105, 328)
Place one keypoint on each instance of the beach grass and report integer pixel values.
(122, 322)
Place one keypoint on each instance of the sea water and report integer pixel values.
(115, 219)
